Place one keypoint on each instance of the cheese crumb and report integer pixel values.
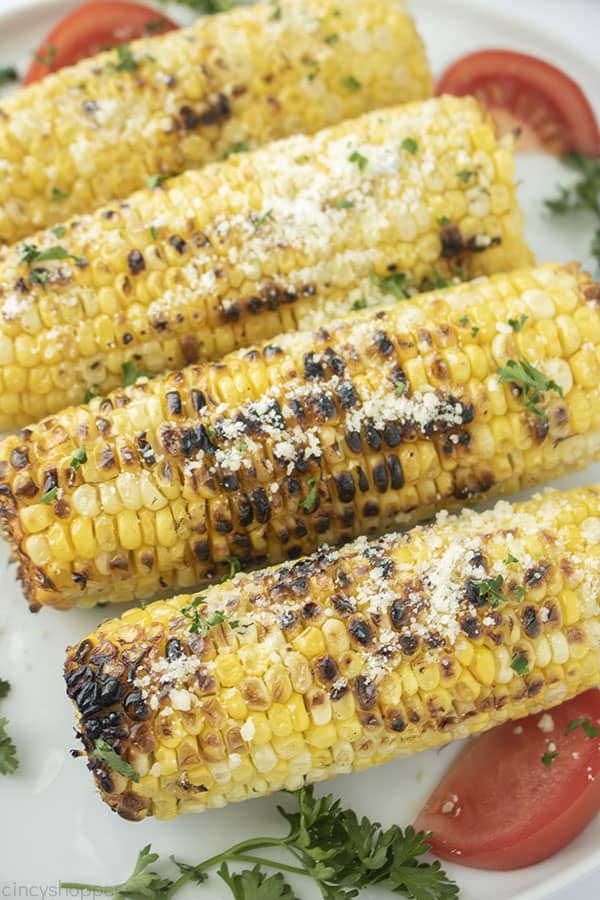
(546, 723)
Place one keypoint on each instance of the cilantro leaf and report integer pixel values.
(396, 284)
(132, 372)
(30, 253)
(531, 382)
(8, 752)
(520, 664)
(361, 161)
(79, 458)
(254, 884)
(8, 74)
(139, 884)
(410, 145)
(57, 195)
(107, 754)
(548, 758)
(352, 84)
(127, 62)
(582, 195)
(311, 497)
(517, 324)
(4, 688)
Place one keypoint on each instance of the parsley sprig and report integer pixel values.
(397, 284)
(8, 74)
(31, 253)
(8, 752)
(582, 195)
(531, 382)
(341, 853)
(104, 752)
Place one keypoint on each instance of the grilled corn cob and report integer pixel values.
(266, 242)
(345, 659)
(316, 437)
(98, 130)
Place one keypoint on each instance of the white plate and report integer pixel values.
(53, 825)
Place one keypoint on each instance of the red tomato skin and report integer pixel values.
(522, 85)
(92, 27)
(514, 811)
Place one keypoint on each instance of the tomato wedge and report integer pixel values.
(524, 92)
(518, 794)
(93, 27)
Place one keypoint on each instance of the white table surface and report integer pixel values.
(576, 21)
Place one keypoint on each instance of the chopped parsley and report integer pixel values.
(49, 496)
(276, 14)
(8, 752)
(262, 220)
(474, 331)
(352, 84)
(235, 566)
(410, 145)
(332, 38)
(127, 61)
(57, 195)
(58, 231)
(517, 324)
(464, 320)
(154, 181)
(153, 232)
(520, 664)
(303, 158)
(490, 589)
(339, 852)
(591, 730)
(46, 56)
(582, 195)
(78, 459)
(531, 382)
(510, 559)
(90, 392)
(153, 27)
(39, 276)
(358, 304)
(443, 220)
(466, 174)
(8, 75)
(311, 497)
(361, 161)
(199, 623)
(548, 758)
(397, 284)
(31, 254)
(107, 754)
(237, 147)
(400, 388)
(344, 204)
(131, 372)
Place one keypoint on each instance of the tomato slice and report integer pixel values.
(507, 801)
(93, 27)
(525, 92)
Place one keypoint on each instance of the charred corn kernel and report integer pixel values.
(170, 307)
(220, 500)
(406, 686)
(110, 129)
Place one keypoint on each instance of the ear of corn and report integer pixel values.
(287, 237)
(314, 438)
(345, 659)
(97, 130)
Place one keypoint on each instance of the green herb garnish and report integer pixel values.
(517, 324)
(341, 853)
(199, 622)
(154, 181)
(235, 566)
(311, 497)
(107, 754)
(520, 664)
(344, 204)
(8, 752)
(400, 388)
(358, 304)
(31, 254)
(490, 589)
(332, 38)
(237, 147)
(57, 195)
(510, 559)
(266, 217)
(352, 84)
(8, 75)
(583, 195)
(92, 391)
(466, 175)
(443, 220)
(153, 232)
(474, 331)
(276, 14)
(531, 382)
(410, 145)
(361, 161)
(464, 320)
(397, 284)
(127, 62)
(548, 758)
(49, 496)
(591, 730)
(78, 459)
(58, 231)
(132, 372)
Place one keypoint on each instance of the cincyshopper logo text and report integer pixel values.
(43, 891)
